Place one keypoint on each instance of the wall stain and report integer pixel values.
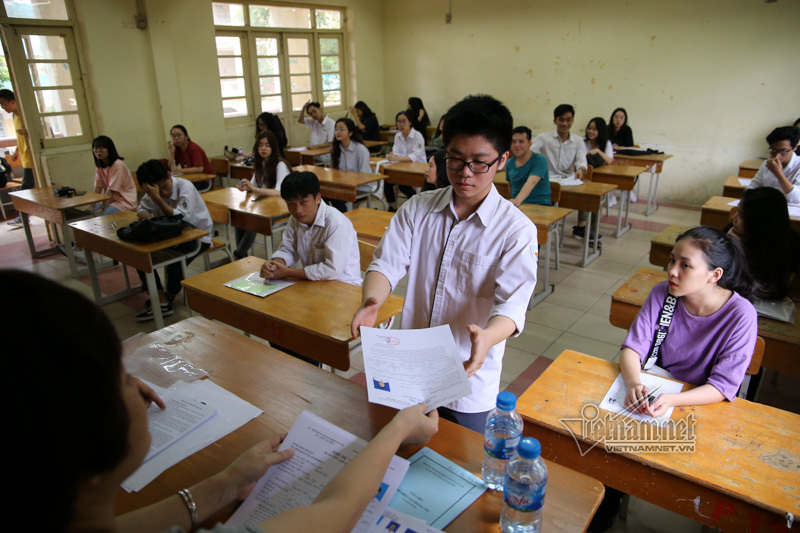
(516, 48)
(653, 38)
(592, 81)
(610, 87)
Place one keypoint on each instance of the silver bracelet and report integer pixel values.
(190, 505)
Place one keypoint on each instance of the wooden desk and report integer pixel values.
(716, 212)
(100, 235)
(586, 197)
(742, 475)
(732, 188)
(546, 219)
(260, 216)
(624, 177)
(654, 163)
(781, 339)
(370, 224)
(340, 184)
(749, 167)
(405, 173)
(305, 156)
(661, 245)
(502, 185)
(240, 171)
(283, 387)
(310, 317)
(41, 202)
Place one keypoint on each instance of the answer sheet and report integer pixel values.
(182, 416)
(321, 451)
(615, 397)
(406, 367)
(254, 284)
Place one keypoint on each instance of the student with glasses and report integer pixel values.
(782, 170)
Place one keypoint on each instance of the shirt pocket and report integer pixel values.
(477, 273)
(318, 253)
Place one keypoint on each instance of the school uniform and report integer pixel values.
(321, 132)
(413, 147)
(765, 178)
(563, 158)
(245, 239)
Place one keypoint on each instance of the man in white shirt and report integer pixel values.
(165, 195)
(469, 254)
(782, 170)
(320, 124)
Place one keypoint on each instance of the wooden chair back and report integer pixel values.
(366, 250)
(220, 166)
(758, 355)
(219, 213)
(555, 193)
(589, 173)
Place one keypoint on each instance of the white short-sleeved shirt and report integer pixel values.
(355, 158)
(280, 173)
(562, 158)
(328, 248)
(765, 178)
(413, 147)
(321, 133)
(184, 200)
(609, 151)
(461, 273)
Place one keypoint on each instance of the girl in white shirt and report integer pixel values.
(350, 154)
(269, 171)
(597, 142)
(408, 146)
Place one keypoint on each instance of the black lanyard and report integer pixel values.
(662, 328)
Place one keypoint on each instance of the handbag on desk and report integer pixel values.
(153, 229)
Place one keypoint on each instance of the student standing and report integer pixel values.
(527, 171)
(409, 145)
(269, 170)
(782, 170)
(112, 177)
(186, 157)
(470, 256)
(9, 104)
(619, 133)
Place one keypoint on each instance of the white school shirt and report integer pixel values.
(609, 151)
(461, 273)
(184, 200)
(562, 158)
(280, 173)
(355, 158)
(321, 133)
(328, 248)
(765, 178)
(413, 147)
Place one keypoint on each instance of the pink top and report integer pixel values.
(118, 183)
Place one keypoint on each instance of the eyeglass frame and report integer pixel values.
(469, 164)
(784, 151)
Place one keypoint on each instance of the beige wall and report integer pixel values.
(705, 81)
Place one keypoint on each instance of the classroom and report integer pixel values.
(702, 81)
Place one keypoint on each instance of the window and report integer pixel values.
(276, 58)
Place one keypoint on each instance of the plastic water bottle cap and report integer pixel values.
(529, 448)
(506, 401)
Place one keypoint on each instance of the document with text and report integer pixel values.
(406, 367)
(614, 399)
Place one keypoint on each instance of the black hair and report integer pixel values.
(152, 172)
(770, 244)
(441, 172)
(602, 133)
(720, 250)
(70, 350)
(563, 108)
(183, 129)
(796, 123)
(611, 129)
(522, 129)
(105, 142)
(336, 151)
(298, 185)
(274, 124)
(784, 133)
(366, 112)
(439, 126)
(313, 104)
(266, 170)
(407, 114)
(417, 105)
(7, 94)
(482, 115)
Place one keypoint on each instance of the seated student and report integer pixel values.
(320, 124)
(782, 170)
(566, 157)
(409, 145)
(268, 173)
(269, 122)
(186, 157)
(418, 116)
(166, 195)
(436, 141)
(436, 172)
(599, 151)
(527, 171)
(797, 125)
(470, 256)
(94, 450)
(350, 154)
(366, 122)
(112, 177)
(761, 223)
(619, 133)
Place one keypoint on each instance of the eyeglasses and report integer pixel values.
(477, 167)
(784, 151)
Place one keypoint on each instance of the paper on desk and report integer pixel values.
(614, 399)
(232, 413)
(396, 521)
(794, 211)
(321, 450)
(157, 365)
(182, 416)
(253, 283)
(734, 203)
(406, 367)
(435, 489)
(566, 181)
(296, 149)
(745, 182)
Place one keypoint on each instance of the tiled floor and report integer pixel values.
(574, 317)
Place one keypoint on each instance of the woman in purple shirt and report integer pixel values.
(713, 331)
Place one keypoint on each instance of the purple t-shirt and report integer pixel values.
(712, 349)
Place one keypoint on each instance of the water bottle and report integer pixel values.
(524, 487)
(500, 439)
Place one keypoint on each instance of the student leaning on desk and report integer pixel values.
(74, 454)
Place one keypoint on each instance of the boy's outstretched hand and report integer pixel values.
(480, 346)
(366, 315)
